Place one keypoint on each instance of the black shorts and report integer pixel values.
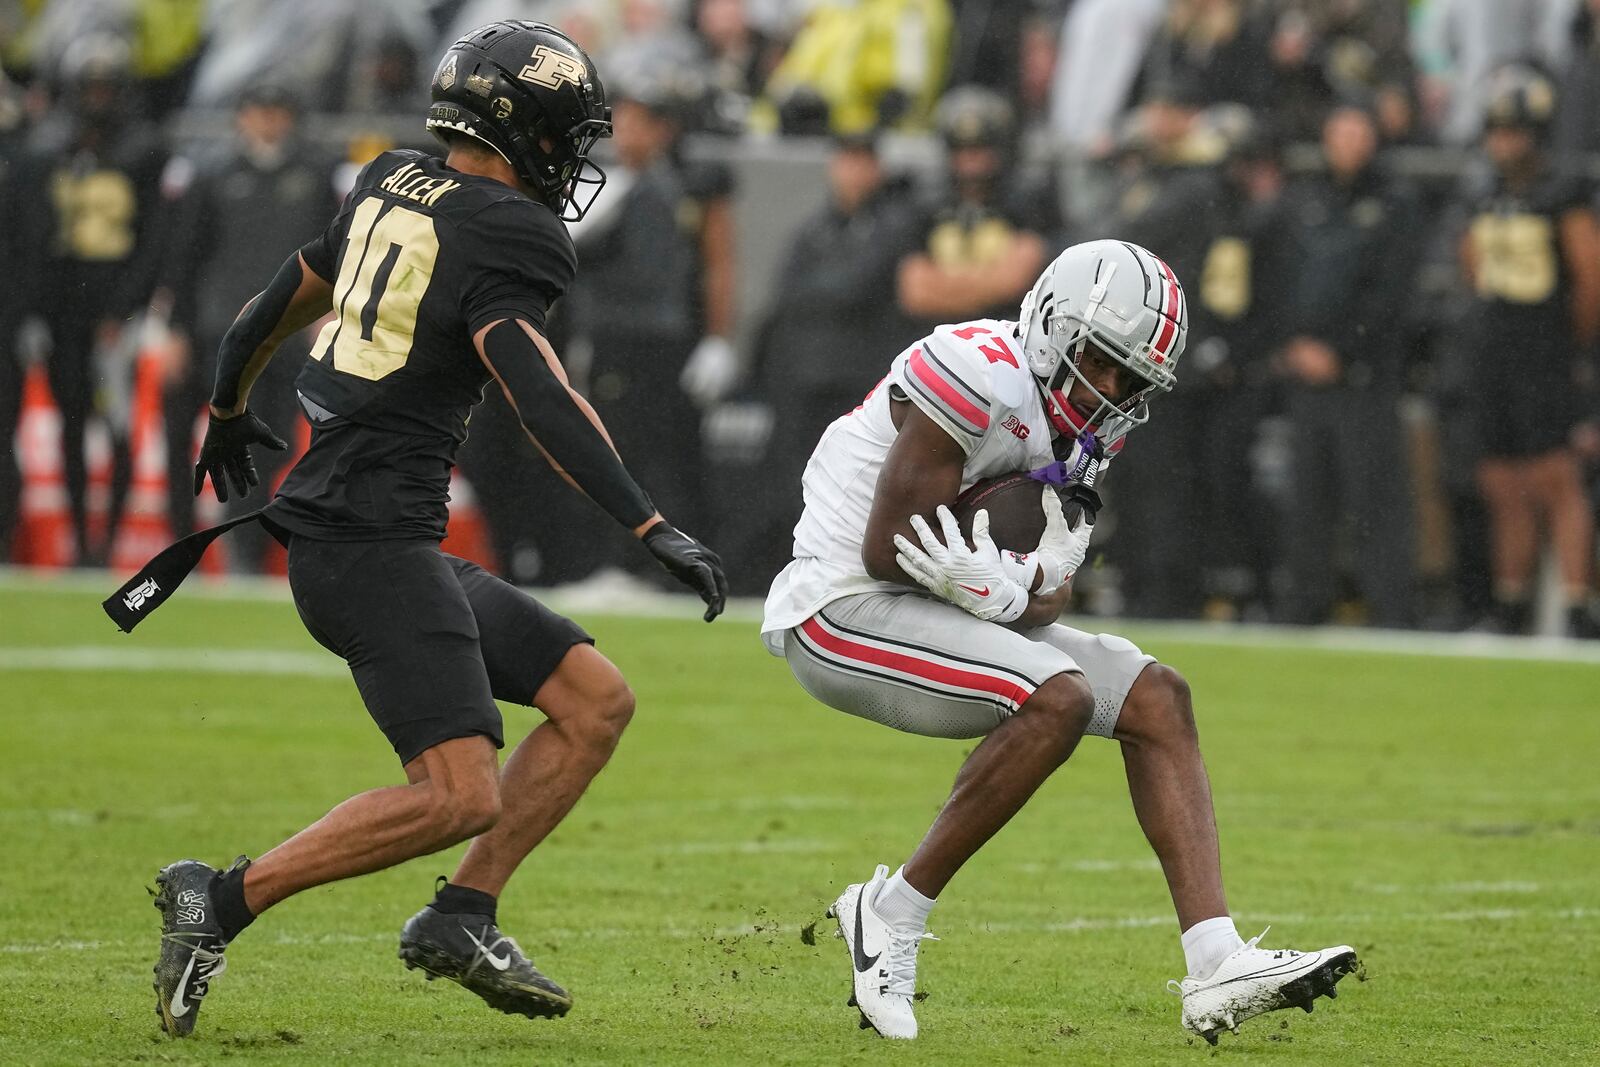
(432, 640)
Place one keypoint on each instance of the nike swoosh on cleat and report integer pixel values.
(976, 592)
(496, 962)
(863, 964)
(178, 1008)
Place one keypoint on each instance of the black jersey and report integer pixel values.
(421, 257)
(1520, 345)
(1523, 283)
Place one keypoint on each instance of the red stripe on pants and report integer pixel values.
(1004, 688)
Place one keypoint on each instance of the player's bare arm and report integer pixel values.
(922, 471)
(930, 290)
(1580, 244)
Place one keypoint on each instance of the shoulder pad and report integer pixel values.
(990, 350)
(962, 374)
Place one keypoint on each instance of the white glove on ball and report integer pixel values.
(973, 579)
(1061, 551)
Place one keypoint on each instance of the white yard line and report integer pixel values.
(80, 658)
(1064, 926)
(748, 609)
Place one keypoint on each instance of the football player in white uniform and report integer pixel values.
(883, 616)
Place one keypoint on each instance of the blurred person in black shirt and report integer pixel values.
(1531, 254)
(89, 205)
(1221, 46)
(986, 44)
(1238, 318)
(984, 242)
(737, 59)
(1164, 184)
(1356, 239)
(656, 297)
(1165, 161)
(1214, 533)
(833, 318)
(241, 214)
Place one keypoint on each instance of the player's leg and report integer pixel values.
(1513, 537)
(1376, 499)
(537, 657)
(1558, 480)
(926, 667)
(587, 705)
(533, 656)
(1313, 520)
(1146, 706)
(394, 611)
(1006, 768)
(451, 795)
(72, 387)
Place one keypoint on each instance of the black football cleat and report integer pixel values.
(471, 950)
(191, 943)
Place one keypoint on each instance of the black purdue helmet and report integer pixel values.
(1520, 95)
(529, 92)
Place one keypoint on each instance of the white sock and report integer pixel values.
(898, 904)
(1207, 943)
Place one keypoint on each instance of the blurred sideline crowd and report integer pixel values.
(1384, 214)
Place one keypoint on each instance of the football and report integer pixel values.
(1015, 503)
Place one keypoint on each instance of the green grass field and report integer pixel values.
(1442, 815)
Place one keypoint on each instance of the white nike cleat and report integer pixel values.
(1254, 980)
(883, 959)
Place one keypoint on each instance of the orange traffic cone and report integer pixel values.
(467, 535)
(44, 536)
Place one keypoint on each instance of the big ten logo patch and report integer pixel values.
(1018, 428)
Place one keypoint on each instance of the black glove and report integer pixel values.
(225, 454)
(692, 563)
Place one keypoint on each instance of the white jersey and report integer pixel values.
(971, 379)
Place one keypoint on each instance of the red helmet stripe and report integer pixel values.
(1171, 304)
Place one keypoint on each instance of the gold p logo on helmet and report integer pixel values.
(552, 69)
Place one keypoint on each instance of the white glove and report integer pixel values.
(973, 579)
(712, 370)
(1060, 553)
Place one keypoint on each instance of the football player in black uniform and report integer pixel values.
(439, 274)
(1532, 254)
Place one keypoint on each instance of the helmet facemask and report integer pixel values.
(564, 172)
(588, 177)
(1068, 335)
(1111, 420)
(1125, 302)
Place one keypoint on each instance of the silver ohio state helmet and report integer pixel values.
(1125, 301)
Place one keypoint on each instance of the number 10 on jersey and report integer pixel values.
(387, 265)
